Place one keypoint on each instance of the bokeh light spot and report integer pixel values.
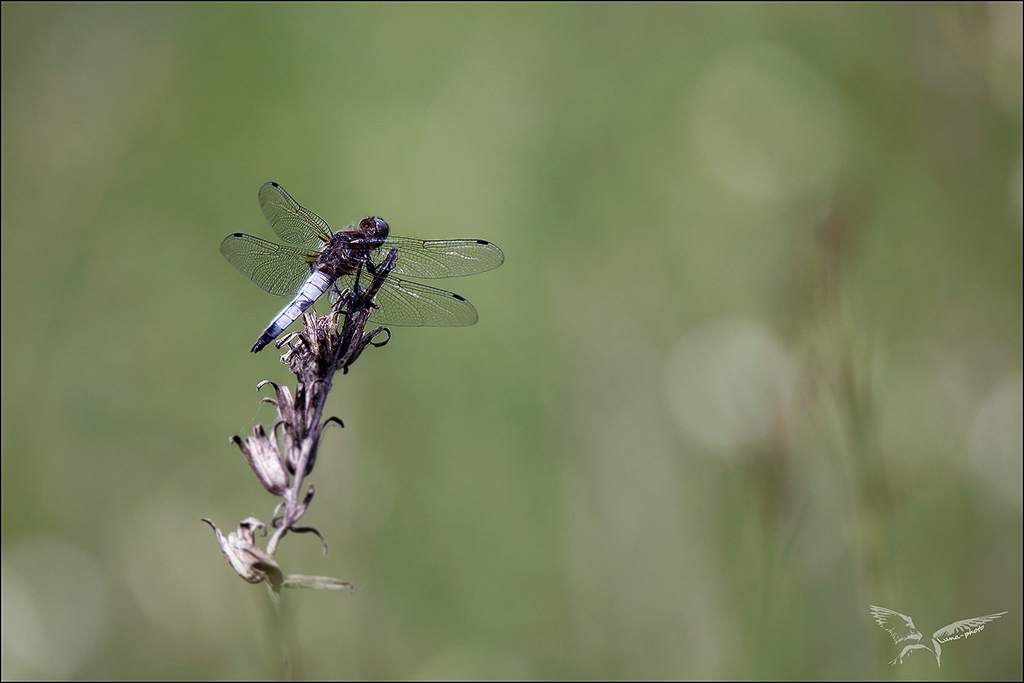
(997, 439)
(769, 125)
(55, 608)
(727, 381)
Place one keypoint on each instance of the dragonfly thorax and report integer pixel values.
(346, 250)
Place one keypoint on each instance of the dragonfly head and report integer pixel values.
(374, 227)
(370, 233)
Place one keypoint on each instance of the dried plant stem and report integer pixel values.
(325, 345)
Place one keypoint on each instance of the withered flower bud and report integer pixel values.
(250, 561)
(263, 455)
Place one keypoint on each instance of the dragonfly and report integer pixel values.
(315, 260)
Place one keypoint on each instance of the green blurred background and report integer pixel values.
(752, 364)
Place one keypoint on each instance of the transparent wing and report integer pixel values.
(440, 258)
(409, 304)
(277, 268)
(293, 223)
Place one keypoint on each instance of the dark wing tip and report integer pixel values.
(495, 249)
(224, 243)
